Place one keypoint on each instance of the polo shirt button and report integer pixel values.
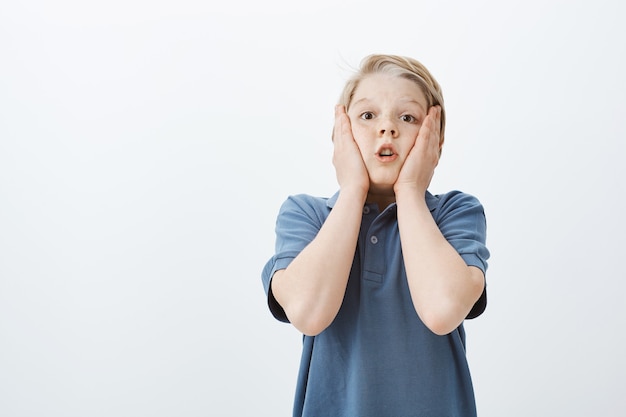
(366, 210)
(374, 240)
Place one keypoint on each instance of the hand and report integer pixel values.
(349, 166)
(419, 166)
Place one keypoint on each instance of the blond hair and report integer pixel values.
(398, 66)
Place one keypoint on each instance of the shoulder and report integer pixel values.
(454, 197)
(455, 205)
(461, 218)
(453, 201)
(304, 202)
(314, 208)
(306, 199)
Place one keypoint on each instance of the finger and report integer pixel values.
(433, 123)
(437, 123)
(436, 133)
(440, 139)
(425, 133)
(338, 121)
(343, 128)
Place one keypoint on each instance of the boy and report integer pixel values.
(380, 277)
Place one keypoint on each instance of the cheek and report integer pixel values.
(363, 146)
(356, 127)
(413, 138)
(408, 144)
(360, 137)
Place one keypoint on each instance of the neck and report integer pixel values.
(382, 200)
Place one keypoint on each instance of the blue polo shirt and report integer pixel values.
(377, 358)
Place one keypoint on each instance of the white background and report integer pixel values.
(145, 147)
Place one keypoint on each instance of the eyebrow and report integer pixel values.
(405, 99)
(418, 103)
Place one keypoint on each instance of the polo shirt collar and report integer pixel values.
(431, 201)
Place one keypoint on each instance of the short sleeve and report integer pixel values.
(461, 219)
(299, 220)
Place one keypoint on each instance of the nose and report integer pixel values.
(388, 128)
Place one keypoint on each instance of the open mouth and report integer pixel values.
(386, 154)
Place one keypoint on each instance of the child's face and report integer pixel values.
(386, 114)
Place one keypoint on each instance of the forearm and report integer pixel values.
(312, 287)
(443, 288)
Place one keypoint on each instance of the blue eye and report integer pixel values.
(368, 115)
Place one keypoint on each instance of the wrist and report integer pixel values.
(408, 188)
(355, 193)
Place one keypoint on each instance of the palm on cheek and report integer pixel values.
(349, 166)
(419, 165)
